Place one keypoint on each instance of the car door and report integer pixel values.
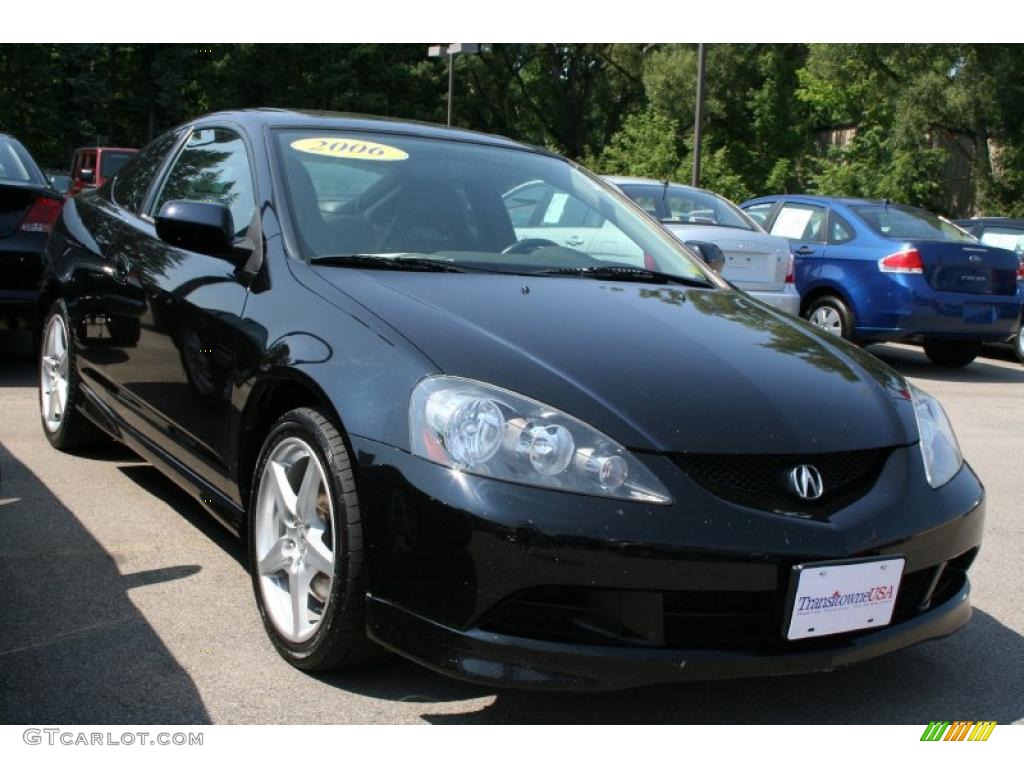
(805, 225)
(173, 384)
(539, 210)
(108, 304)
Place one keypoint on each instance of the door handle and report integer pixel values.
(804, 250)
(574, 240)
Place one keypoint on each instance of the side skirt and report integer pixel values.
(223, 509)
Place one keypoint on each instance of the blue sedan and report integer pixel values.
(871, 271)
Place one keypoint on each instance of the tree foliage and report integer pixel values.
(940, 125)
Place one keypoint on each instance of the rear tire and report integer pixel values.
(952, 354)
(832, 315)
(304, 522)
(64, 425)
(1018, 344)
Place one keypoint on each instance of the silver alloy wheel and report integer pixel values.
(828, 319)
(1020, 343)
(294, 539)
(53, 373)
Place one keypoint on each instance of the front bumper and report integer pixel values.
(514, 662)
(490, 581)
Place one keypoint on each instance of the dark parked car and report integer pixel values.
(507, 459)
(28, 208)
(1002, 233)
(871, 270)
(91, 167)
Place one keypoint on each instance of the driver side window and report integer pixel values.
(213, 167)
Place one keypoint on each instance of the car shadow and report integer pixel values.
(157, 484)
(73, 647)
(911, 361)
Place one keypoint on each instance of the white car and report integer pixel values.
(539, 210)
(756, 262)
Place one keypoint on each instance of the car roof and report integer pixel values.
(263, 117)
(819, 199)
(640, 180)
(990, 220)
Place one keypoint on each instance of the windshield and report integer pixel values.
(465, 204)
(684, 205)
(111, 162)
(901, 222)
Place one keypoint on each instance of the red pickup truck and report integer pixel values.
(92, 166)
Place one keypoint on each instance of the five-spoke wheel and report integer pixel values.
(306, 545)
(294, 539)
(54, 373)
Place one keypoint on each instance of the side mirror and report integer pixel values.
(87, 175)
(200, 227)
(709, 253)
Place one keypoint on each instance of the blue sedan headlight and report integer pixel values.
(939, 448)
(485, 430)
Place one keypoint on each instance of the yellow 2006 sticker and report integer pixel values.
(355, 149)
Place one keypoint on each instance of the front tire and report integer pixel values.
(64, 425)
(952, 354)
(306, 546)
(832, 315)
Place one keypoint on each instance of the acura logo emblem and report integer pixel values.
(805, 481)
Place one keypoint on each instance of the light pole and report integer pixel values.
(698, 118)
(451, 51)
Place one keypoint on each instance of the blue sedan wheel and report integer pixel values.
(830, 314)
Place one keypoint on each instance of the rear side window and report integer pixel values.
(112, 162)
(798, 221)
(134, 179)
(523, 202)
(839, 231)
(537, 204)
(566, 210)
(901, 222)
(759, 212)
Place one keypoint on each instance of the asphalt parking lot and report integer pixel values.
(122, 602)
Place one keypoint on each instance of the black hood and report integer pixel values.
(661, 368)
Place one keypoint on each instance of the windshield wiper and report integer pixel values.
(626, 274)
(395, 262)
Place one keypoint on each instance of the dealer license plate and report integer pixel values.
(843, 597)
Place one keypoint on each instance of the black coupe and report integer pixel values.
(455, 419)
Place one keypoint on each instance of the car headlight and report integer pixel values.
(939, 448)
(485, 430)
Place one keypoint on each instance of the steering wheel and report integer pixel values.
(529, 245)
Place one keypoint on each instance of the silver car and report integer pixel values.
(756, 262)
